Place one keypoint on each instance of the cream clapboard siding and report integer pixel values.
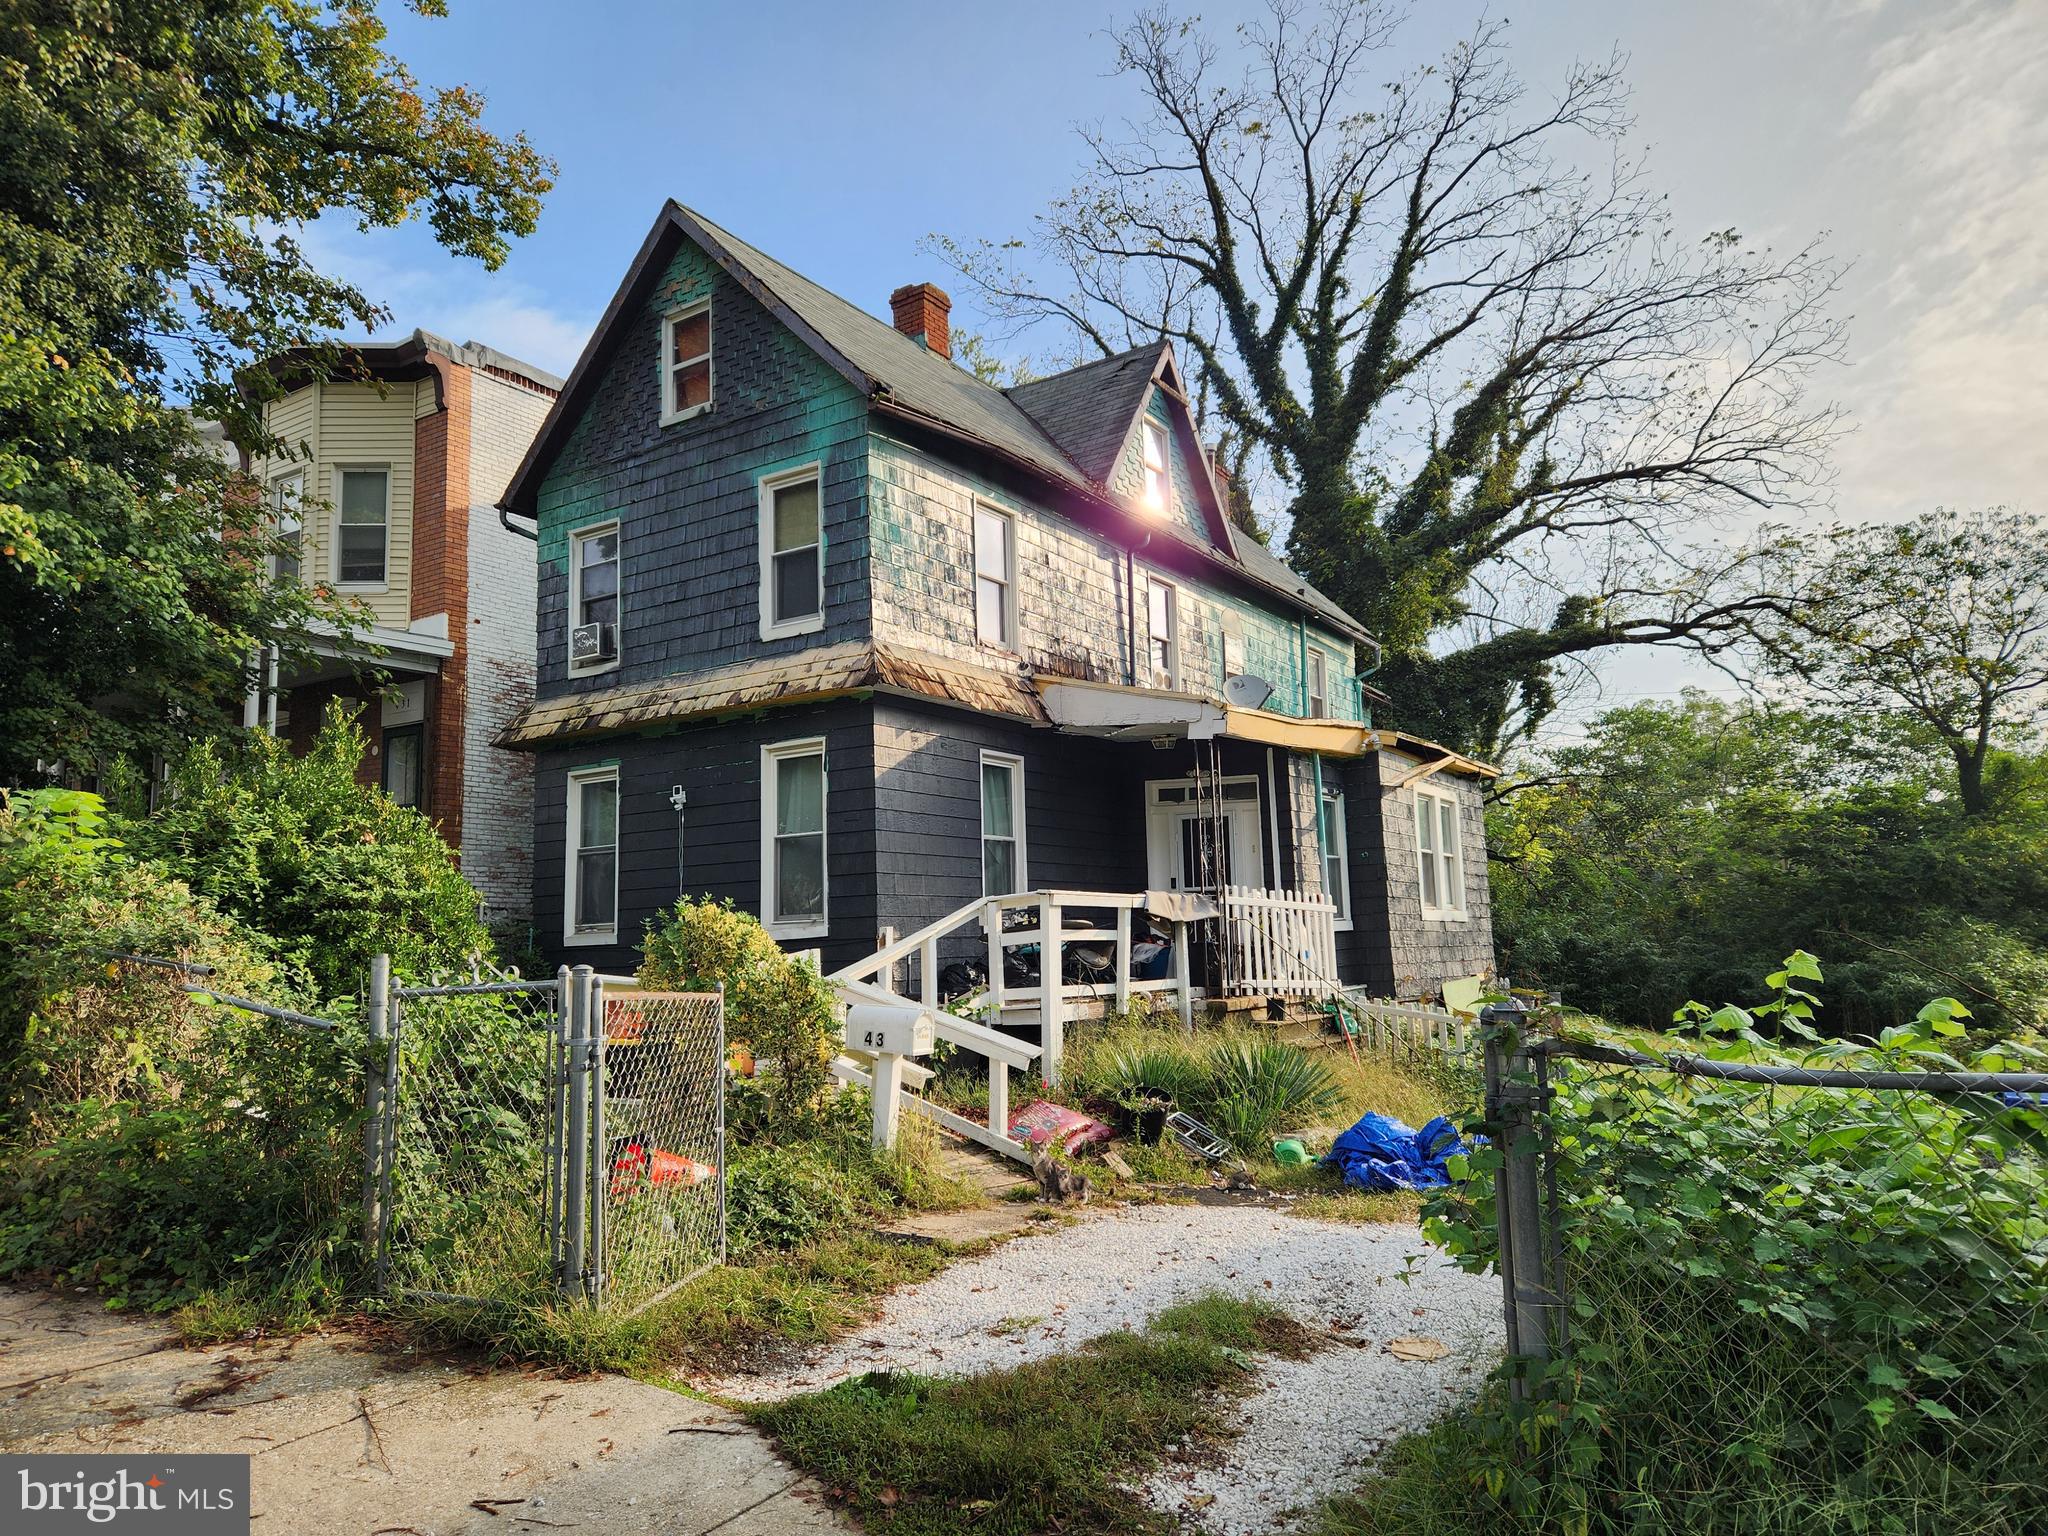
(356, 426)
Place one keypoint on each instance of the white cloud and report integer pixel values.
(453, 298)
(1948, 388)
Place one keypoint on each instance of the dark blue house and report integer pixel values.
(831, 627)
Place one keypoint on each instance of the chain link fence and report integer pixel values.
(1767, 1297)
(661, 1122)
(528, 1140)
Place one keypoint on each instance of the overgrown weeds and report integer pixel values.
(1052, 1445)
(1793, 1312)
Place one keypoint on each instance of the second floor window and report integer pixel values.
(995, 567)
(793, 839)
(594, 599)
(1233, 652)
(363, 532)
(792, 556)
(1318, 685)
(686, 363)
(1163, 633)
(288, 503)
(1158, 478)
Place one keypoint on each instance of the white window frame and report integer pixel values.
(810, 623)
(1316, 688)
(297, 512)
(1172, 668)
(1339, 848)
(670, 414)
(1015, 766)
(1233, 651)
(334, 559)
(1450, 863)
(1007, 640)
(773, 756)
(572, 830)
(576, 539)
(1152, 435)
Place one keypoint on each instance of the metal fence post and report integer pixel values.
(377, 1100)
(720, 1078)
(576, 1144)
(557, 1130)
(1512, 1098)
(600, 1190)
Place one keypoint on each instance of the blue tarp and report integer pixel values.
(1380, 1153)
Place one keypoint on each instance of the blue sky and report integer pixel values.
(836, 136)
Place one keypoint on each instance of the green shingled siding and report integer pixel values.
(1128, 478)
(1071, 589)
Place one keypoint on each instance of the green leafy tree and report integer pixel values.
(1942, 621)
(1503, 396)
(157, 165)
(332, 870)
(1682, 847)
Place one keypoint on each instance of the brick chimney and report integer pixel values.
(921, 311)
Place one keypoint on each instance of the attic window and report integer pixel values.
(1158, 482)
(686, 363)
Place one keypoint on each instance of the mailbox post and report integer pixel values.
(889, 1033)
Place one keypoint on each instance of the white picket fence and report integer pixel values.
(1281, 944)
(1406, 1030)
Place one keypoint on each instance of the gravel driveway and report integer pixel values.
(1312, 1426)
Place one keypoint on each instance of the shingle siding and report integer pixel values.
(719, 769)
(1392, 947)
(686, 496)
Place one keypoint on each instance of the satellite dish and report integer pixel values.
(1245, 691)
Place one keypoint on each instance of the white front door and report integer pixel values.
(1184, 849)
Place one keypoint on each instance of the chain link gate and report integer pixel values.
(534, 1139)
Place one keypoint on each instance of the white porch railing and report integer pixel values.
(1281, 944)
(1406, 1029)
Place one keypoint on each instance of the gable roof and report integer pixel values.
(900, 375)
(1088, 410)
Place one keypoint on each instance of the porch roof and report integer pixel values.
(1121, 712)
(833, 671)
(1124, 713)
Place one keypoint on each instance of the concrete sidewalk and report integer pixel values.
(346, 1440)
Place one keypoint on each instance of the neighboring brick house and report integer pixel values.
(832, 628)
(394, 469)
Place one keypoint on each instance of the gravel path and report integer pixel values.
(1312, 1426)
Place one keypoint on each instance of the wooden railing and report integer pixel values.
(1281, 944)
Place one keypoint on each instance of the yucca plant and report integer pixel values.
(1256, 1089)
(1138, 1076)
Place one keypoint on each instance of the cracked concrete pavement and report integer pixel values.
(349, 1440)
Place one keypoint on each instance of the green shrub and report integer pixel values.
(778, 1197)
(156, 1145)
(779, 1009)
(1246, 1088)
(1259, 1088)
(333, 870)
(1793, 1310)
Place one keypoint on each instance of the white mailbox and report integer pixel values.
(884, 1029)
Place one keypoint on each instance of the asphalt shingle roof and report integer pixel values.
(1088, 410)
(913, 375)
(1068, 427)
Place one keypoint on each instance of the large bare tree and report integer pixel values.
(1507, 408)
